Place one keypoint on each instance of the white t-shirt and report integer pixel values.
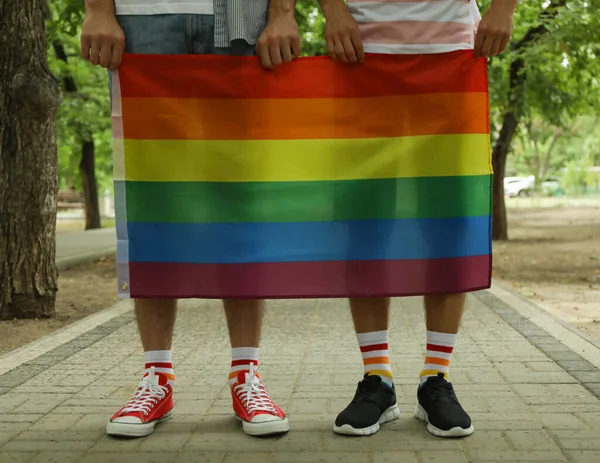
(416, 26)
(144, 7)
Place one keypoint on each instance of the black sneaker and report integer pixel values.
(374, 403)
(440, 409)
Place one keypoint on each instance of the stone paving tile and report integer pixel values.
(20, 457)
(583, 456)
(58, 457)
(522, 387)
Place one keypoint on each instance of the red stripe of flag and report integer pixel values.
(436, 348)
(281, 280)
(373, 347)
(201, 76)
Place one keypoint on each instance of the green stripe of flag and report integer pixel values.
(396, 198)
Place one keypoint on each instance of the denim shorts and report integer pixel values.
(176, 34)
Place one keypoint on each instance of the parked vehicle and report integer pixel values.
(518, 186)
(551, 187)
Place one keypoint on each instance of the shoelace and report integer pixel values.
(441, 390)
(253, 394)
(367, 388)
(148, 394)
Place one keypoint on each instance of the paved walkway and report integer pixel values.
(77, 247)
(532, 386)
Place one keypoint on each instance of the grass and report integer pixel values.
(560, 201)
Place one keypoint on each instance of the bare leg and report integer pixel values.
(244, 319)
(443, 313)
(156, 320)
(370, 314)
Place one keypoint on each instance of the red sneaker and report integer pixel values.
(151, 404)
(252, 404)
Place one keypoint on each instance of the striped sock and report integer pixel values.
(241, 359)
(162, 363)
(439, 351)
(374, 350)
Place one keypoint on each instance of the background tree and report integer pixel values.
(549, 71)
(29, 97)
(84, 117)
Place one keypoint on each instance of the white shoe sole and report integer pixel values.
(421, 414)
(391, 414)
(266, 428)
(134, 430)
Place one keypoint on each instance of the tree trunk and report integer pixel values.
(499, 155)
(87, 165)
(90, 190)
(517, 79)
(29, 97)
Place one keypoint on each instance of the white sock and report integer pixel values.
(241, 359)
(162, 362)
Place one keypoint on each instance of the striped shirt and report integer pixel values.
(239, 20)
(416, 26)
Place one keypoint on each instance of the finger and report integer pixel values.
(117, 56)
(286, 51)
(487, 46)
(296, 47)
(265, 57)
(275, 52)
(339, 50)
(349, 48)
(95, 52)
(479, 42)
(358, 46)
(503, 45)
(331, 48)
(105, 54)
(495, 47)
(86, 44)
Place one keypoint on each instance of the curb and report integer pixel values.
(570, 349)
(560, 330)
(107, 321)
(66, 263)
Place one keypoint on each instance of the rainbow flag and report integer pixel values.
(318, 179)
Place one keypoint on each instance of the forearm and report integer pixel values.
(328, 5)
(281, 7)
(510, 4)
(101, 6)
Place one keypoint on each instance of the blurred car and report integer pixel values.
(551, 187)
(518, 186)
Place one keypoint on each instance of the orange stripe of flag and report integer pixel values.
(227, 119)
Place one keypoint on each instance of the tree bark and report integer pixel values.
(29, 97)
(87, 164)
(517, 79)
(90, 190)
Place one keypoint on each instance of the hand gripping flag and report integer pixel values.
(318, 179)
